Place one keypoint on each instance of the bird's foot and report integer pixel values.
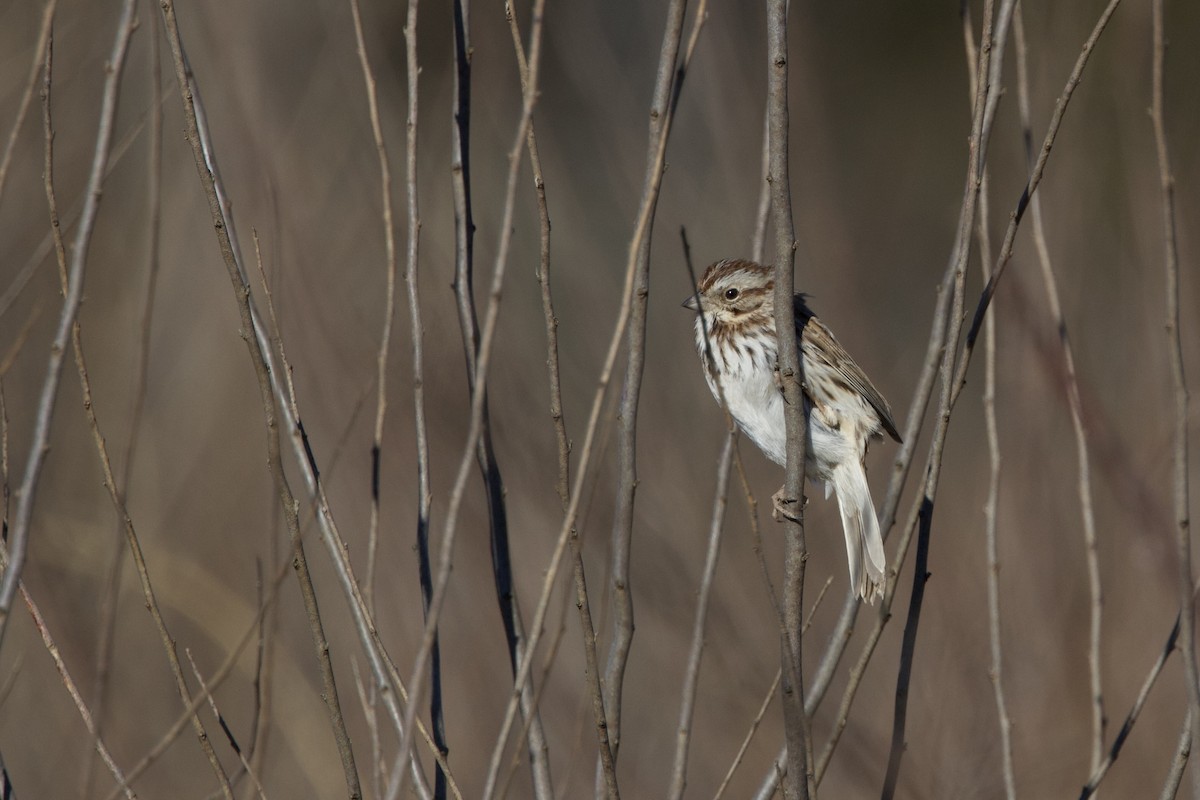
(782, 506)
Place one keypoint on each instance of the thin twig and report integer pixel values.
(691, 677)
(368, 703)
(935, 352)
(1075, 404)
(384, 671)
(635, 352)
(385, 339)
(483, 361)
(535, 702)
(216, 712)
(390, 266)
(991, 506)
(562, 485)
(485, 456)
(1114, 750)
(270, 411)
(989, 76)
(211, 685)
(112, 583)
(116, 496)
(1179, 762)
(392, 687)
(88, 721)
(23, 276)
(264, 656)
(35, 69)
(19, 534)
(1035, 178)
(587, 453)
(741, 753)
(762, 710)
(1183, 539)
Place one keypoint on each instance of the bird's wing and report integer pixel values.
(818, 342)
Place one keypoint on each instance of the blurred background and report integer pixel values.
(880, 116)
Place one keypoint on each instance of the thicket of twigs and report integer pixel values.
(355, 445)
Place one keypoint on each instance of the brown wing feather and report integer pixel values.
(812, 330)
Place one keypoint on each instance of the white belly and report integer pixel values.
(756, 404)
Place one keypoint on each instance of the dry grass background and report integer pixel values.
(880, 120)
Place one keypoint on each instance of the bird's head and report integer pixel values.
(733, 291)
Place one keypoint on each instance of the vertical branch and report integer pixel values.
(1179, 763)
(485, 456)
(112, 584)
(6, 787)
(639, 256)
(991, 507)
(211, 685)
(35, 68)
(424, 492)
(562, 485)
(250, 333)
(1089, 789)
(115, 494)
(369, 700)
(216, 712)
(385, 339)
(478, 396)
(937, 350)
(588, 450)
(791, 371)
(1090, 540)
(1187, 610)
(691, 676)
(72, 689)
(953, 388)
(19, 535)
(1035, 178)
(988, 71)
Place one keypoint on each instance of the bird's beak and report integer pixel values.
(692, 304)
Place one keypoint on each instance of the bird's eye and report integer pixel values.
(731, 294)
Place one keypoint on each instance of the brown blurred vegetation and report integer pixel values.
(880, 120)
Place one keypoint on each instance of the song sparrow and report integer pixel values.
(736, 301)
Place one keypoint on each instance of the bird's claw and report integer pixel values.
(782, 506)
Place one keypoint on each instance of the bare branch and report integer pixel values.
(1126, 728)
(639, 269)
(1179, 762)
(691, 675)
(989, 76)
(211, 685)
(114, 492)
(1035, 178)
(216, 712)
(237, 276)
(991, 507)
(88, 721)
(389, 313)
(1183, 540)
(489, 468)
(791, 372)
(1076, 407)
(586, 457)
(19, 534)
(112, 583)
(487, 339)
(35, 69)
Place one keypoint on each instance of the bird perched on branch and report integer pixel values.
(735, 305)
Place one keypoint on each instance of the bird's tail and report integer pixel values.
(864, 544)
